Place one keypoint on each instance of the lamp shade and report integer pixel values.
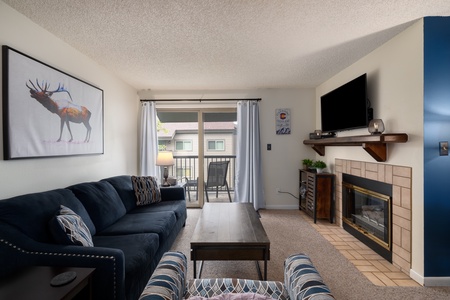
(376, 126)
(165, 158)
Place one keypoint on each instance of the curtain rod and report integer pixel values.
(199, 100)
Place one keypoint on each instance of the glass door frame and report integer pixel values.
(201, 140)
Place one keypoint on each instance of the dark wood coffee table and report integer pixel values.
(230, 231)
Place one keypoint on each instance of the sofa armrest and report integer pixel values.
(173, 193)
(17, 251)
(302, 279)
(168, 281)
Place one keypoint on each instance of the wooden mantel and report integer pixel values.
(375, 145)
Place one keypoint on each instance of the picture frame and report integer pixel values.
(283, 121)
(47, 112)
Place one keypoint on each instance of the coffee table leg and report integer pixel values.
(195, 268)
(200, 269)
(265, 269)
(194, 259)
(258, 268)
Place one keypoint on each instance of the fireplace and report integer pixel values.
(367, 212)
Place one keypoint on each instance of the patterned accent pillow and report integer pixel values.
(146, 190)
(234, 296)
(69, 229)
(215, 287)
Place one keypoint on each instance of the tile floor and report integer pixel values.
(378, 270)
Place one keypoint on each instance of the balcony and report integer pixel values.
(186, 168)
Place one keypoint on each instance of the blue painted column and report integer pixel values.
(436, 129)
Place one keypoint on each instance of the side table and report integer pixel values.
(179, 184)
(34, 283)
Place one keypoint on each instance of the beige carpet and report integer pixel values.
(289, 233)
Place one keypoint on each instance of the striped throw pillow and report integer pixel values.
(69, 229)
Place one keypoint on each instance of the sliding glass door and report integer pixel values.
(198, 137)
(219, 132)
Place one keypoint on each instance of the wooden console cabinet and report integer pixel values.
(317, 194)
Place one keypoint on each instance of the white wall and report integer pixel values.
(281, 164)
(395, 85)
(120, 115)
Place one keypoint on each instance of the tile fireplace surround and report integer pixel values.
(400, 178)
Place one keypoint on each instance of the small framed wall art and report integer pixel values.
(47, 112)
(283, 121)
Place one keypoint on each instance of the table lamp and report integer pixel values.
(165, 158)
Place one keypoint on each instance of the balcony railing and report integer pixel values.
(186, 167)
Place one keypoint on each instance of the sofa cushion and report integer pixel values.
(69, 229)
(124, 188)
(177, 206)
(161, 223)
(101, 201)
(146, 190)
(31, 213)
(139, 251)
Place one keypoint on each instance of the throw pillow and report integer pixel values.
(146, 190)
(69, 229)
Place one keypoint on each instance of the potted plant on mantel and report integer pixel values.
(319, 165)
(307, 163)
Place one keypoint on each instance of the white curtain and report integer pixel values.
(248, 184)
(148, 140)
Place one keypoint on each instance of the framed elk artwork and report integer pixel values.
(47, 112)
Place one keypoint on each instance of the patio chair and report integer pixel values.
(191, 185)
(217, 177)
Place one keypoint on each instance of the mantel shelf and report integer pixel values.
(375, 145)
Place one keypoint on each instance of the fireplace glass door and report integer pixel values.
(367, 212)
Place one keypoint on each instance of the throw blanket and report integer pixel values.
(146, 190)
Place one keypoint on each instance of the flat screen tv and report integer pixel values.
(346, 107)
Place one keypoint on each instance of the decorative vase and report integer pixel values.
(319, 170)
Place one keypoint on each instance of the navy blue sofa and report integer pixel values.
(129, 240)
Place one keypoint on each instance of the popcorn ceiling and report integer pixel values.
(207, 44)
